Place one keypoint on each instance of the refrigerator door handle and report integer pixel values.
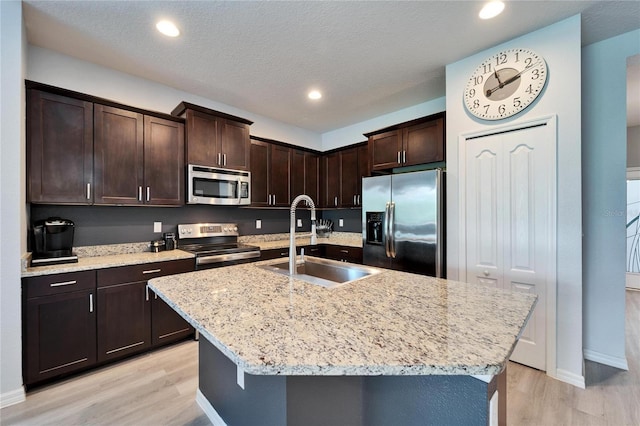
(385, 234)
(392, 219)
(439, 218)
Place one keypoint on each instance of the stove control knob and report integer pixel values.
(225, 229)
(235, 229)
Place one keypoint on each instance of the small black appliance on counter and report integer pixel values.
(53, 242)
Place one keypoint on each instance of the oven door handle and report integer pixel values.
(205, 260)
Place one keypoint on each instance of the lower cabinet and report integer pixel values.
(77, 320)
(59, 325)
(344, 253)
(328, 251)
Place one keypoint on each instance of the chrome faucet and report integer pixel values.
(292, 230)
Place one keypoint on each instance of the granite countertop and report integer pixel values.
(276, 241)
(391, 323)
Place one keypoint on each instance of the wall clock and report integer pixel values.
(505, 84)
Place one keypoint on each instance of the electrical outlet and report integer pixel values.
(258, 224)
(157, 227)
(299, 223)
(340, 223)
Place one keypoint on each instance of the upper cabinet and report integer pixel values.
(270, 174)
(416, 142)
(215, 139)
(86, 150)
(305, 175)
(59, 149)
(343, 171)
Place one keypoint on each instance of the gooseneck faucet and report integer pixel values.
(292, 230)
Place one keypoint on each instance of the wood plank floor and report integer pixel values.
(159, 389)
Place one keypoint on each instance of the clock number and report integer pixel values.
(516, 102)
(476, 103)
(478, 80)
(487, 68)
(501, 59)
(472, 93)
(486, 109)
(517, 57)
(535, 74)
(501, 109)
(528, 89)
(528, 62)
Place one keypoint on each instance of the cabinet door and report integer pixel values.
(235, 145)
(424, 143)
(344, 253)
(163, 161)
(312, 176)
(59, 149)
(59, 335)
(202, 139)
(259, 173)
(385, 150)
(167, 325)
(297, 173)
(118, 156)
(350, 177)
(279, 172)
(124, 320)
(333, 179)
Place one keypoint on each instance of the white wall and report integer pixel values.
(354, 133)
(12, 201)
(559, 44)
(604, 142)
(49, 67)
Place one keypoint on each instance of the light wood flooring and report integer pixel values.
(159, 389)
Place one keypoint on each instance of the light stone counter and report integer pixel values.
(108, 256)
(276, 241)
(392, 323)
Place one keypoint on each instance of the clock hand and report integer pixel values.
(495, 73)
(509, 80)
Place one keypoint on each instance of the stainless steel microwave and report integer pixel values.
(208, 185)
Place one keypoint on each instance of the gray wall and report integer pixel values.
(633, 146)
(96, 225)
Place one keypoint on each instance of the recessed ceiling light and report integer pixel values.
(314, 94)
(491, 10)
(168, 28)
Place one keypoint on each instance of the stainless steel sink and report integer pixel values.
(324, 272)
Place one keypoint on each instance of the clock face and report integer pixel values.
(505, 84)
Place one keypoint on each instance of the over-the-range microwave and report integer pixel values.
(208, 185)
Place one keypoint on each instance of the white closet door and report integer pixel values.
(508, 197)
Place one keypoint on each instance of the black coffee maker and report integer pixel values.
(53, 242)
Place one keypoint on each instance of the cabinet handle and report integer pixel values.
(404, 157)
(155, 296)
(146, 288)
(148, 194)
(335, 201)
(89, 191)
(63, 283)
(224, 159)
(139, 193)
(151, 271)
(219, 161)
(399, 162)
(274, 199)
(355, 202)
(344, 251)
(358, 199)
(90, 302)
(284, 253)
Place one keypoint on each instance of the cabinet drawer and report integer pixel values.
(344, 253)
(58, 283)
(144, 272)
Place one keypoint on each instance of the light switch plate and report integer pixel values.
(299, 223)
(157, 227)
(340, 223)
(258, 224)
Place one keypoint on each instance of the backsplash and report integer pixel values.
(99, 225)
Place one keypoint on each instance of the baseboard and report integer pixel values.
(208, 409)
(612, 361)
(12, 397)
(576, 380)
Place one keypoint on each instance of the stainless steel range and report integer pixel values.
(215, 244)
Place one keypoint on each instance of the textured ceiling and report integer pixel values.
(368, 58)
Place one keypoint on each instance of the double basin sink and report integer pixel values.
(324, 272)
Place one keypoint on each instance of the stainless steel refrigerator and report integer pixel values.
(403, 222)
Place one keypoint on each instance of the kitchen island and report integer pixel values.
(392, 348)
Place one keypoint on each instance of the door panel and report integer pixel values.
(376, 193)
(163, 161)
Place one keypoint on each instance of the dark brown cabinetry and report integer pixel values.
(416, 142)
(124, 307)
(317, 251)
(344, 170)
(59, 324)
(305, 175)
(138, 159)
(59, 149)
(343, 253)
(215, 139)
(270, 174)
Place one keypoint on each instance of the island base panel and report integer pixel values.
(344, 400)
